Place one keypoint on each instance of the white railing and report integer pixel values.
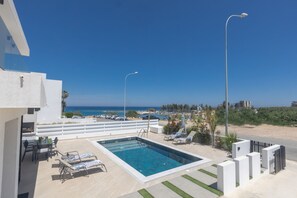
(66, 131)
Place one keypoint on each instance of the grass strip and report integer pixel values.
(145, 193)
(208, 173)
(203, 185)
(176, 190)
(215, 165)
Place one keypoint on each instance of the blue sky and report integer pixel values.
(176, 46)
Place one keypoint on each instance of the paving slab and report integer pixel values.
(211, 169)
(132, 195)
(208, 180)
(191, 188)
(161, 191)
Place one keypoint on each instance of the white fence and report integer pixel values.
(65, 131)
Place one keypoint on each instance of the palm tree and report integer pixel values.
(65, 95)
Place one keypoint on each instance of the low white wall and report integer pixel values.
(268, 157)
(226, 177)
(241, 148)
(69, 131)
(156, 129)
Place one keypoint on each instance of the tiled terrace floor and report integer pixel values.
(42, 179)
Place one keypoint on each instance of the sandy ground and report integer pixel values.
(282, 132)
(289, 133)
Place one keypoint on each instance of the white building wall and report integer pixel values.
(53, 109)
(21, 90)
(9, 150)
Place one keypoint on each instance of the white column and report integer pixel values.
(268, 157)
(242, 170)
(226, 177)
(254, 163)
(241, 148)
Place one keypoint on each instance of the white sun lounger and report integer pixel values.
(75, 157)
(184, 140)
(173, 136)
(66, 168)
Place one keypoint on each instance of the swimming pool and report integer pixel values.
(146, 159)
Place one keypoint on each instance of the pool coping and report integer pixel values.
(140, 177)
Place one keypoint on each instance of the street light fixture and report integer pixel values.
(242, 15)
(125, 92)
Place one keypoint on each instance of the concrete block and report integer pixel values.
(268, 157)
(242, 170)
(254, 164)
(226, 177)
(241, 148)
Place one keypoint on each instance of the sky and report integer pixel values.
(178, 48)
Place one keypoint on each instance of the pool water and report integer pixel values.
(147, 157)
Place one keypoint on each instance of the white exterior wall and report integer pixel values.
(53, 109)
(241, 148)
(9, 150)
(18, 93)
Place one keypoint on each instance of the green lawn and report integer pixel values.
(203, 185)
(145, 193)
(176, 190)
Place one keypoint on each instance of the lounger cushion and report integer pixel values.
(72, 157)
(86, 165)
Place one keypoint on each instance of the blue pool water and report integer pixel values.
(147, 157)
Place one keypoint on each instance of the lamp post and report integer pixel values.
(242, 15)
(125, 92)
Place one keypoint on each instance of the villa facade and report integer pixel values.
(21, 92)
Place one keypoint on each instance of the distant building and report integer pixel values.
(294, 104)
(246, 104)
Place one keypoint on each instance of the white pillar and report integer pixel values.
(242, 170)
(255, 166)
(226, 177)
(241, 148)
(268, 157)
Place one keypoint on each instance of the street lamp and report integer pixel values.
(242, 15)
(125, 93)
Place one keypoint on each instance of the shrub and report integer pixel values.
(229, 140)
(204, 137)
(171, 127)
(132, 114)
(219, 141)
(68, 114)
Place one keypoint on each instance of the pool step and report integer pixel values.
(109, 145)
(126, 147)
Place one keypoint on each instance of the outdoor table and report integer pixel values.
(45, 143)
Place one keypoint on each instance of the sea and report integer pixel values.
(101, 110)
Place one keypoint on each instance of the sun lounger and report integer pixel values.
(184, 140)
(75, 157)
(173, 136)
(66, 168)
